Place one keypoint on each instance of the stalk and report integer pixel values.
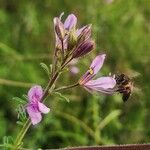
(66, 87)
(27, 124)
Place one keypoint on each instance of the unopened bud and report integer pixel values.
(83, 48)
(85, 34)
(59, 28)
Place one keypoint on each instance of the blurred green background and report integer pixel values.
(120, 29)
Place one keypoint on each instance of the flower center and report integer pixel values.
(91, 71)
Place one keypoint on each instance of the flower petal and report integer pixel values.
(102, 83)
(70, 22)
(78, 32)
(34, 114)
(97, 63)
(35, 93)
(101, 90)
(43, 108)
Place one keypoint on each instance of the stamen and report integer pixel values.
(91, 71)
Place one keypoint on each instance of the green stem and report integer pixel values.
(66, 87)
(27, 124)
(22, 133)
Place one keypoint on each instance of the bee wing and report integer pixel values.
(133, 74)
(137, 90)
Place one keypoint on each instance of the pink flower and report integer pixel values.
(35, 107)
(63, 30)
(102, 84)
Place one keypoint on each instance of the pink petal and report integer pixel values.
(34, 115)
(43, 108)
(101, 90)
(97, 63)
(70, 22)
(35, 93)
(101, 83)
(80, 30)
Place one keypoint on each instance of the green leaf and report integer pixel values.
(45, 67)
(20, 123)
(7, 140)
(25, 96)
(113, 115)
(62, 97)
(21, 113)
(51, 89)
(19, 100)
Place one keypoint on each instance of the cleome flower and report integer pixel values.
(35, 107)
(103, 84)
(71, 39)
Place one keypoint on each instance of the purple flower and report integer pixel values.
(102, 84)
(70, 22)
(63, 31)
(35, 107)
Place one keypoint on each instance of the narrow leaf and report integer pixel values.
(20, 123)
(62, 96)
(45, 67)
(19, 100)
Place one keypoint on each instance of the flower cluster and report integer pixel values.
(71, 43)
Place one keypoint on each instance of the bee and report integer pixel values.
(124, 86)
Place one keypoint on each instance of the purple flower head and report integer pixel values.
(35, 107)
(102, 84)
(67, 33)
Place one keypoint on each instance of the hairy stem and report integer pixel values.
(66, 87)
(27, 124)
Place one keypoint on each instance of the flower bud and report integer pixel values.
(59, 28)
(83, 48)
(85, 34)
